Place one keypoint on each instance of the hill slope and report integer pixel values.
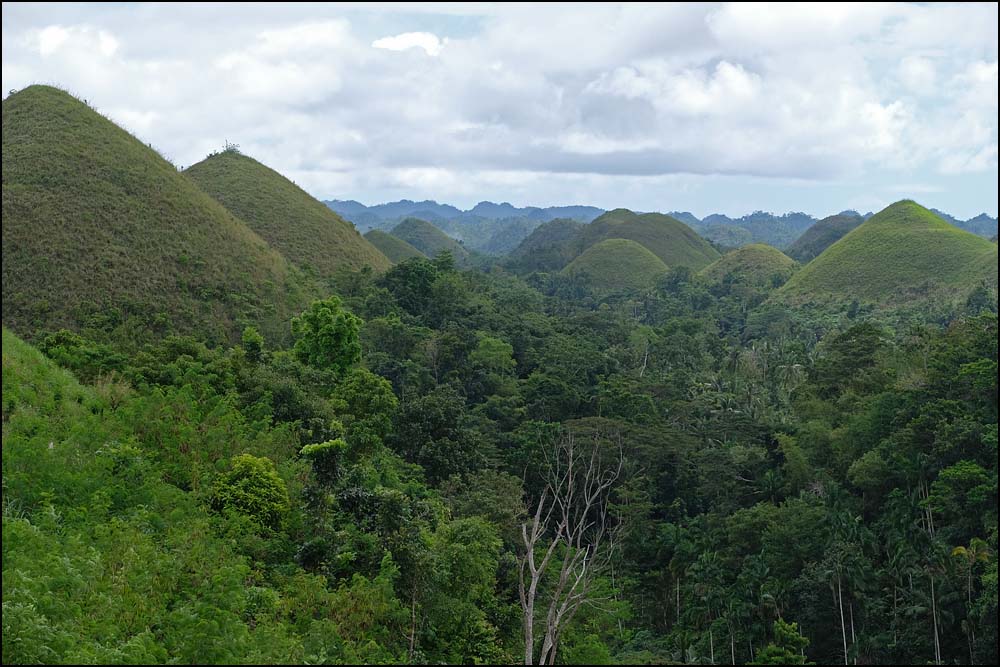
(548, 248)
(301, 228)
(755, 264)
(902, 255)
(822, 235)
(98, 229)
(617, 264)
(396, 249)
(671, 240)
(428, 239)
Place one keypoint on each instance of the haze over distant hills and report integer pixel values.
(497, 229)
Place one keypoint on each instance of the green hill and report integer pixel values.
(617, 264)
(549, 247)
(671, 240)
(298, 226)
(821, 236)
(396, 249)
(428, 239)
(756, 264)
(902, 255)
(100, 231)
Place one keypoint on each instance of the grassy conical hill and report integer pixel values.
(617, 264)
(307, 232)
(902, 255)
(821, 236)
(671, 240)
(756, 264)
(428, 239)
(396, 249)
(100, 231)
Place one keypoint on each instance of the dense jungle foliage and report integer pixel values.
(794, 489)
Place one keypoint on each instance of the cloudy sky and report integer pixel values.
(706, 108)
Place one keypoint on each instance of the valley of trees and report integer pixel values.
(255, 443)
(763, 489)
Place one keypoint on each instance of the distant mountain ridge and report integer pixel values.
(487, 227)
(497, 229)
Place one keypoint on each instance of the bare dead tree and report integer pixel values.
(573, 526)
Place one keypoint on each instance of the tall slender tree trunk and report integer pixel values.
(843, 628)
(937, 640)
(413, 625)
(853, 640)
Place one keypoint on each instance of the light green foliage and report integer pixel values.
(252, 487)
(253, 344)
(326, 336)
(326, 458)
(494, 356)
(786, 649)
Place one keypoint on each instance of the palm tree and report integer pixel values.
(976, 552)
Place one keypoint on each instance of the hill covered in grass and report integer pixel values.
(101, 232)
(428, 239)
(548, 248)
(757, 264)
(295, 224)
(822, 235)
(617, 264)
(396, 249)
(904, 254)
(669, 239)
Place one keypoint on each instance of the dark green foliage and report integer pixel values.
(821, 236)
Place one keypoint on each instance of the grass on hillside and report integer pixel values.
(617, 264)
(396, 249)
(903, 254)
(428, 239)
(100, 231)
(755, 264)
(303, 229)
(671, 240)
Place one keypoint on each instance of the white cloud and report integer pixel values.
(918, 74)
(427, 41)
(545, 97)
